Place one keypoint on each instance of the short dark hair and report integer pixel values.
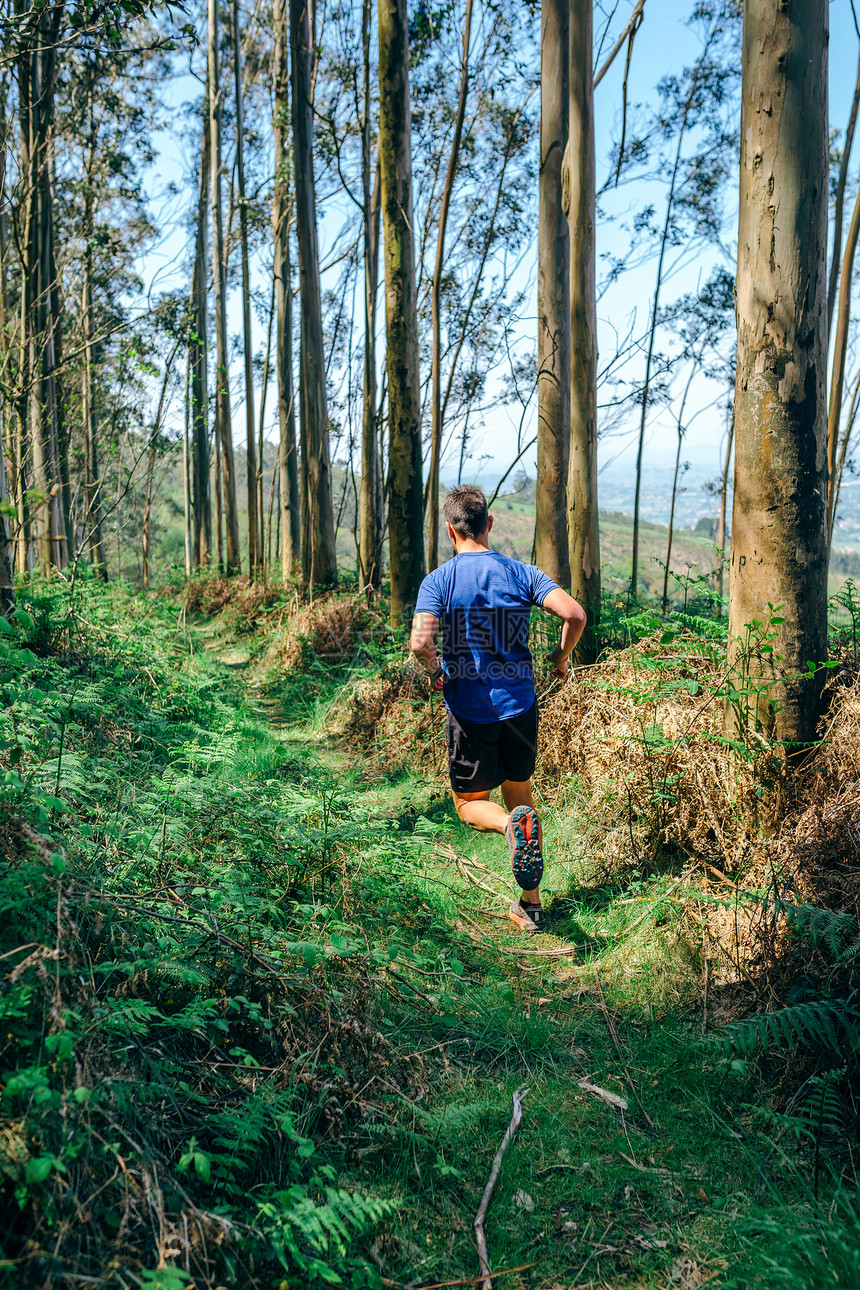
(465, 509)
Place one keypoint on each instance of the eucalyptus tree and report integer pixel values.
(778, 588)
(582, 515)
(282, 217)
(319, 560)
(223, 417)
(198, 361)
(554, 319)
(405, 500)
(255, 555)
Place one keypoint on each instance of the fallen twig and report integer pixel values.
(613, 1099)
(510, 1134)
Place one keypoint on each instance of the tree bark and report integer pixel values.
(254, 557)
(370, 511)
(92, 524)
(436, 297)
(223, 417)
(36, 69)
(405, 492)
(199, 347)
(583, 526)
(290, 502)
(264, 391)
(553, 306)
(319, 560)
(779, 523)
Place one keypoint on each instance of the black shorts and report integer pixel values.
(482, 756)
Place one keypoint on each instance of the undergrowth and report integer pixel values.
(262, 1022)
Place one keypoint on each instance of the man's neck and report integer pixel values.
(471, 546)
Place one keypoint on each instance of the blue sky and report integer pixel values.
(664, 44)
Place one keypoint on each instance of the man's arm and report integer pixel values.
(422, 642)
(573, 619)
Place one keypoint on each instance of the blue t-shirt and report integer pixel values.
(483, 600)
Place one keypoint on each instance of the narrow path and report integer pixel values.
(612, 1178)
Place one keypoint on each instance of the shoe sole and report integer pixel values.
(526, 857)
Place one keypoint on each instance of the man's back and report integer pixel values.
(483, 600)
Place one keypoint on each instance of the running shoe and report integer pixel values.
(522, 835)
(529, 918)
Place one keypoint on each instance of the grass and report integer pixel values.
(263, 1021)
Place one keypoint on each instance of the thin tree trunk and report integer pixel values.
(646, 388)
(290, 501)
(680, 431)
(186, 473)
(724, 491)
(7, 561)
(370, 512)
(845, 440)
(200, 454)
(219, 509)
(554, 318)
(405, 492)
(779, 519)
(254, 557)
(264, 390)
(59, 419)
(93, 483)
(582, 513)
(319, 560)
(436, 297)
(151, 454)
(223, 418)
(840, 351)
(839, 202)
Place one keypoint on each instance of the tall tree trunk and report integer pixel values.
(436, 297)
(92, 524)
(839, 201)
(59, 418)
(223, 417)
(200, 455)
(8, 468)
(254, 556)
(370, 511)
(36, 65)
(7, 551)
(186, 473)
(554, 317)
(582, 511)
(840, 352)
(151, 454)
(405, 499)
(219, 509)
(779, 521)
(290, 501)
(264, 390)
(319, 560)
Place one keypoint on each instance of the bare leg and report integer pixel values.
(476, 810)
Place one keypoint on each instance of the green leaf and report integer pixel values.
(37, 1170)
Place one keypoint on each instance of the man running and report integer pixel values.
(483, 600)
